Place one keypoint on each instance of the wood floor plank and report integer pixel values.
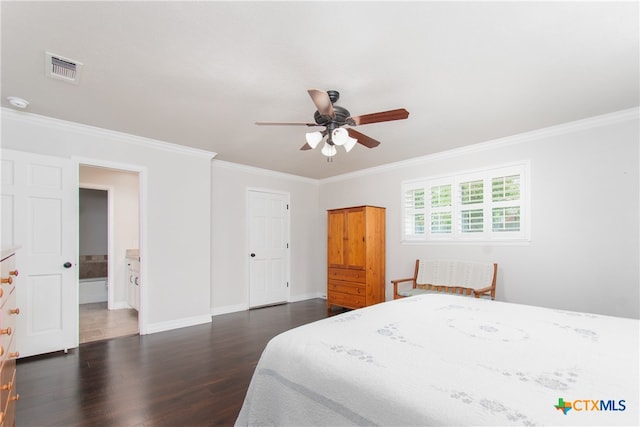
(196, 376)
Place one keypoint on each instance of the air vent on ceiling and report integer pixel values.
(59, 67)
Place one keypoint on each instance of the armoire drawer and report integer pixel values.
(346, 300)
(346, 288)
(347, 275)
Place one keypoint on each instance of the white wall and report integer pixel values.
(583, 253)
(230, 253)
(175, 209)
(196, 260)
(125, 194)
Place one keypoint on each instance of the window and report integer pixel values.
(487, 205)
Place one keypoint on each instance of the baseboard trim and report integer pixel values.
(176, 324)
(309, 296)
(217, 311)
(119, 305)
(227, 309)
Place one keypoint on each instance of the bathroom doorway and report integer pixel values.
(108, 232)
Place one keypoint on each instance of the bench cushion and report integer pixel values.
(413, 291)
(455, 273)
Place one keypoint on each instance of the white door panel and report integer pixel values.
(41, 218)
(268, 246)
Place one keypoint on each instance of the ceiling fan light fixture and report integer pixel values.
(313, 139)
(339, 136)
(329, 150)
(351, 142)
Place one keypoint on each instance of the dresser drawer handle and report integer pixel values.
(7, 386)
(8, 280)
(15, 311)
(14, 398)
(14, 355)
(6, 331)
(13, 273)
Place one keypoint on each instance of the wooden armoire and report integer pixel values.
(356, 256)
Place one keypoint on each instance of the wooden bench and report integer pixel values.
(452, 276)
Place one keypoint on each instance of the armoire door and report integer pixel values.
(336, 240)
(356, 242)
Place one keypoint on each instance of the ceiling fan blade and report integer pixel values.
(383, 116)
(286, 124)
(363, 139)
(306, 146)
(321, 99)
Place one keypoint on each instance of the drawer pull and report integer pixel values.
(14, 355)
(7, 386)
(14, 398)
(8, 280)
(13, 273)
(6, 331)
(15, 311)
(1, 350)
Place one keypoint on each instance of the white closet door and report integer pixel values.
(268, 247)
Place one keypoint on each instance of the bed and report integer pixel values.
(449, 360)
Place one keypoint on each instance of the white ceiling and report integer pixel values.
(201, 73)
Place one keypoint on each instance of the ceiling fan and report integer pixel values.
(333, 118)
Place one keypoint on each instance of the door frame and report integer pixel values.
(142, 221)
(248, 192)
(110, 269)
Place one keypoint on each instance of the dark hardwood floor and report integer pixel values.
(195, 376)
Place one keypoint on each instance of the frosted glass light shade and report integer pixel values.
(339, 136)
(313, 139)
(351, 142)
(329, 150)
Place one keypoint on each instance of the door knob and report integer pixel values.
(253, 255)
(67, 265)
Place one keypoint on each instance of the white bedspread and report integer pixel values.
(449, 360)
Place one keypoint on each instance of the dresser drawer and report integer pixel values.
(346, 300)
(347, 275)
(8, 274)
(346, 287)
(7, 381)
(7, 324)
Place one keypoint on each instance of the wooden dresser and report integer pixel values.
(356, 256)
(8, 353)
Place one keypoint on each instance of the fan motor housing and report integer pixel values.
(340, 119)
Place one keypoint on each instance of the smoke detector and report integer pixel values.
(18, 102)
(61, 68)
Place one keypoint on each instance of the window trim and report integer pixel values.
(487, 235)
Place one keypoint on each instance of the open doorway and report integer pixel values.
(108, 238)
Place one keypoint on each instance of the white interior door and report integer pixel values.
(268, 248)
(39, 214)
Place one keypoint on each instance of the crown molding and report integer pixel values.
(59, 124)
(569, 127)
(264, 172)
